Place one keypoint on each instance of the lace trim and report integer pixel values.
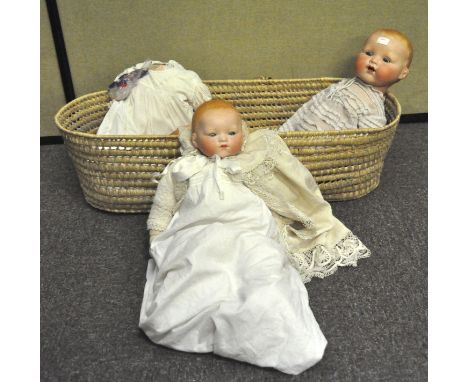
(303, 218)
(321, 261)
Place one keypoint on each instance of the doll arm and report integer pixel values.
(298, 195)
(286, 185)
(321, 243)
(163, 206)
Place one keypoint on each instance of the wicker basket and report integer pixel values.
(115, 172)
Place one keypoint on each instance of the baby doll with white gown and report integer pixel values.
(358, 102)
(227, 267)
(162, 101)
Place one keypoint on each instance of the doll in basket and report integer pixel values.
(358, 102)
(237, 226)
(153, 98)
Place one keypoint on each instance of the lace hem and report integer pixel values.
(321, 261)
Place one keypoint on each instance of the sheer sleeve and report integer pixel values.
(164, 203)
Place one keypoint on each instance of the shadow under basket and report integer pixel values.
(116, 172)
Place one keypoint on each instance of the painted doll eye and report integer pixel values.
(232, 133)
(212, 134)
(387, 60)
(369, 53)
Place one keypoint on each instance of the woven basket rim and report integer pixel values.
(283, 134)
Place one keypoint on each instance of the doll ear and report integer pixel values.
(404, 73)
(194, 142)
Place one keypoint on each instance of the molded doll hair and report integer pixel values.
(210, 105)
(393, 33)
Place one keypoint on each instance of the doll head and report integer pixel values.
(217, 129)
(384, 59)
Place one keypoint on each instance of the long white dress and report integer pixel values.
(162, 101)
(219, 280)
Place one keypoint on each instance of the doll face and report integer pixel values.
(218, 132)
(382, 61)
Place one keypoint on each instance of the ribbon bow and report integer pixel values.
(188, 166)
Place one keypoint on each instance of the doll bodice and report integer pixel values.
(216, 195)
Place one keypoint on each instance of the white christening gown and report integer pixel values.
(219, 281)
(162, 102)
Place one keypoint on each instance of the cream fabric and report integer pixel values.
(219, 278)
(348, 104)
(162, 101)
(317, 243)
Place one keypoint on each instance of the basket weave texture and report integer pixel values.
(116, 172)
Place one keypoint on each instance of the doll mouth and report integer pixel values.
(370, 68)
(223, 146)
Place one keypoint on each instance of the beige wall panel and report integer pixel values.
(238, 39)
(52, 97)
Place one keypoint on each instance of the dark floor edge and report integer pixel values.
(51, 140)
(411, 118)
(406, 118)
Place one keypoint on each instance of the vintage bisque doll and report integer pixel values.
(358, 102)
(162, 100)
(237, 226)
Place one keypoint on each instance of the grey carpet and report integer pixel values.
(93, 271)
